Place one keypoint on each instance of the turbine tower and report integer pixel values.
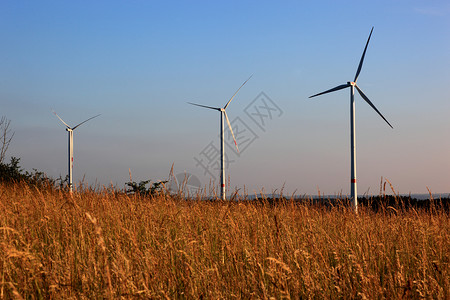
(223, 114)
(352, 85)
(70, 151)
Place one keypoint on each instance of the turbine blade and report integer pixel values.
(216, 108)
(339, 87)
(86, 121)
(229, 126)
(362, 57)
(228, 103)
(371, 104)
(61, 119)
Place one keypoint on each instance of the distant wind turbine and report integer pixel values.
(352, 85)
(70, 131)
(222, 139)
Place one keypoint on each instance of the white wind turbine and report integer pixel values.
(352, 85)
(70, 131)
(222, 139)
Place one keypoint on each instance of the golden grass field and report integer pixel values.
(95, 245)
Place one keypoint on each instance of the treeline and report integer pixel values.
(383, 203)
(12, 172)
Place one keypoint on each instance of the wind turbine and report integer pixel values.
(70, 131)
(223, 114)
(352, 85)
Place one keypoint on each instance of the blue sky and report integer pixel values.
(139, 62)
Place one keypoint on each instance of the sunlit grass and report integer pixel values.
(109, 245)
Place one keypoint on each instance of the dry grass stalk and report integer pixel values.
(52, 246)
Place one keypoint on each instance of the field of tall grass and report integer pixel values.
(106, 244)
